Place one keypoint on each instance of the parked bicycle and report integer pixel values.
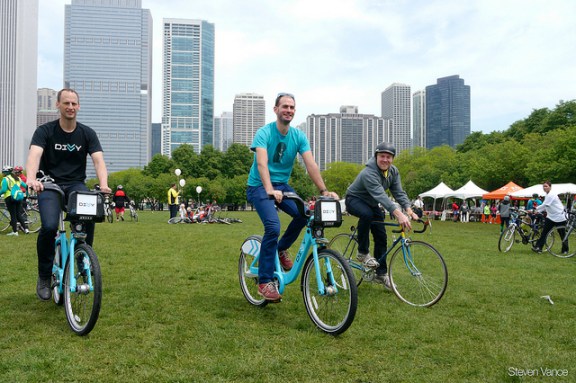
(417, 271)
(76, 275)
(4, 218)
(108, 205)
(327, 284)
(521, 229)
(31, 216)
(561, 241)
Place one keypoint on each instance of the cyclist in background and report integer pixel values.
(363, 198)
(11, 191)
(275, 147)
(555, 216)
(120, 201)
(59, 148)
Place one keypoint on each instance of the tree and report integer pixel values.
(339, 175)
(159, 164)
(186, 159)
(236, 160)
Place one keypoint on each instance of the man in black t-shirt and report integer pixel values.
(59, 148)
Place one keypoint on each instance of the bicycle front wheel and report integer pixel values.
(346, 245)
(83, 305)
(135, 217)
(418, 274)
(33, 220)
(4, 219)
(109, 216)
(507, 239)
(332, 304)
(559, 244)
(174, 220)
(247, 270)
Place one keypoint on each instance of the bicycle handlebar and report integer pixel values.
(425, 224)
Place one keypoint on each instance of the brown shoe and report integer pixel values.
(269, 291)
(285, 260)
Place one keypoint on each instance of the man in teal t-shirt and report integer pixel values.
(275, 147)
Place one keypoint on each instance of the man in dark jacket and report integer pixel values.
(363, 198)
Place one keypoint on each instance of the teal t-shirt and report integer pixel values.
(282, 151)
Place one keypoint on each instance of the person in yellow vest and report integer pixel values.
(173, 194)
(13, 195)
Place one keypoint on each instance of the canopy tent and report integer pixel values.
(470, 190)
(568, 188)
(502, 192)
(437, 192)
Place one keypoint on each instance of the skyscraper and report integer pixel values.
(396, 106)
(188, 78)
(346, 136)
(447, 112)
(419, 119)
(47, 110)
(108, 61)
(223, 131)
(249, 112)
(18, 75)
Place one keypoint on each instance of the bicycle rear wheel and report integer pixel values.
(346, 245)
(83, 305)
(418, 274)
(559, 248)
(247, 270)
(4, 219)
(507, 239)
(334, 308)
(134, 216)
(174, 220)
(109, 215)
(33, 220)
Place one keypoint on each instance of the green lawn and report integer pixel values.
(173, 311)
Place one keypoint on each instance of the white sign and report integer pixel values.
(86, 204)
(329, 212)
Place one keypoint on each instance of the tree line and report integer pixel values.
(540, 147)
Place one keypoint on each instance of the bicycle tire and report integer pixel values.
(249, 250)
(554, 242)
(83, 306)
(424, 281)
(174, 220)
(4, 219)
(507, 239)
(135, 217)
(333, 311)
(346, 245)
(109, 215)
(56, 296)
(33, 220)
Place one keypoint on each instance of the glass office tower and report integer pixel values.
(108, 61)
(447, 112)
(188, 80)
(396, 106)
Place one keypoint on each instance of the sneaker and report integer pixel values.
(13, 233)
(536, 249)
(285, 260)
(269, 291)
(367, 260)
(384, 280)
(43, 289)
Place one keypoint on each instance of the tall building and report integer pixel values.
(346, 136)
(188, 79)
(396, 106)
(249, 114)
(447, 112)
(108, 61)
(156, 139)
(223, 131)
(47, 110)
(419, 119)
(18, 77)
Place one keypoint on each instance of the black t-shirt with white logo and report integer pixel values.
(64, 156)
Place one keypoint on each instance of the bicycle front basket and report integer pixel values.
(85, 206)
(327, 212)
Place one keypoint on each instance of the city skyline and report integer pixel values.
(348, 55)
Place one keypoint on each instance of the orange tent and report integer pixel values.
(505, 190)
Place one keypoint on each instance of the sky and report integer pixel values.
(516, 55)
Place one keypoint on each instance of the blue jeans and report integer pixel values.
(268, 214)
(49, 207)
(368, 217)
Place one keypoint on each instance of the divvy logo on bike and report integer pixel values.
(67, 147)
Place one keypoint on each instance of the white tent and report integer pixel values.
(538, 189)
(438, 192)
(470, 190)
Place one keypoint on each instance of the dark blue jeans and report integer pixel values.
(49, 204)
(268, 214)
(368, 218)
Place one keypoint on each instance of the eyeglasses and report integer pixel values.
(285, 94)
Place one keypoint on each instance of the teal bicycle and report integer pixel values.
(327, 284)
(417, 271)
(76, 275)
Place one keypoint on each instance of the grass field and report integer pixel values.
(173, 311)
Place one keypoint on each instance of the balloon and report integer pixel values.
(177, 172)
(198, 189)
(182, 182)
